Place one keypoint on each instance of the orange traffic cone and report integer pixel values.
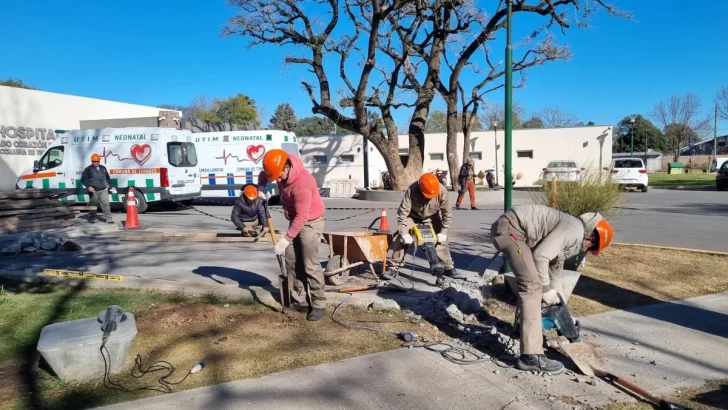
(132, 219)
(383, 223)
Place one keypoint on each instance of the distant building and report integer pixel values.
(331, 158)
(706, 147)
(654, 159)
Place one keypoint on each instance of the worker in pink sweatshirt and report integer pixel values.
(303, 207)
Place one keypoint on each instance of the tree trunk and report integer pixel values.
(451, 147)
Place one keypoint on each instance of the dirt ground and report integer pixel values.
(627, 276)
(710, 396)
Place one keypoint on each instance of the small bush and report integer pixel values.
(595, 192)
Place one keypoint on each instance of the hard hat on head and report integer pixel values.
(273, 163)
(600, 230)
(250, 192)
(429, 185)
(95, 158)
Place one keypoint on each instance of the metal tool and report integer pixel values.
(283, 284)
(588, 360)
(110, 319)
(425, 238)
(555, 317)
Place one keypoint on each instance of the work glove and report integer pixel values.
(550, 298)
(262, 195)
(441, 237)
(281, 246)
(113, 190)
(407, 239)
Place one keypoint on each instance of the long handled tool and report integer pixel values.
(284, 290)
(586, 358)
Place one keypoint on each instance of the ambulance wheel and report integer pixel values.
(141, 202)
(336, 262)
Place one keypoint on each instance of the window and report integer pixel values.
(290, 148)
(561, 164)
(628, 163)
(347, 158)
(320, 159)
(438, 156)
(404, 151)
(476, 155)
(524, 154)
(182, 154)
(52, 159)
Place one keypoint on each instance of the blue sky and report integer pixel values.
(171, 51)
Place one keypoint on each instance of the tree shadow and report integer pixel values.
(244, 279)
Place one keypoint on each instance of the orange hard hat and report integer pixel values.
(605, 234)
(250, 192)
(95, 158)
(429, 185)
(273, 163)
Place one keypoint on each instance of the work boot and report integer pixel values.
(474, 208)
(92, 219)
(454, 274)
(540, 363)
(297, 307)
(316, 314)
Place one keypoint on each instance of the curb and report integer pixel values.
(685, 187)
(673, 248)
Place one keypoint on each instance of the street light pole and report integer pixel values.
(495, 140)
(507, 196)
(631, 132)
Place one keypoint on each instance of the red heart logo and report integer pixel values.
(255, 152)
(141, 153)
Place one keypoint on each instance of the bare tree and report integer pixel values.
(377, 62)
(681, 121)
(555, 117)
(721, 98)
(539, 47)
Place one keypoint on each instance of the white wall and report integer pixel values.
(35, 110)
(581, 144)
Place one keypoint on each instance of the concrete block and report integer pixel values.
(569, 278)
(72, 348)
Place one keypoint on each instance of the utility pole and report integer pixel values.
(509, 120)
(495, 139)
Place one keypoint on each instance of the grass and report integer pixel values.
(235, 342)
(711, 395)
(625, 276)
(678, 180)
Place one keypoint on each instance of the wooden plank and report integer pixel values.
(12, 222)
(38, 226)
(210, 239)
(204, 235)
(11, 204)
(32, 194)
(36, 211)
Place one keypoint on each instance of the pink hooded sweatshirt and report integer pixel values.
(300, 197)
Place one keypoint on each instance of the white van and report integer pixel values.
(160, 163)
(717, 163)
(231, 159)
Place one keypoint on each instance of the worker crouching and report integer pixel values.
(249, 214)
(536, 240)
(303, 207)
(423, 200)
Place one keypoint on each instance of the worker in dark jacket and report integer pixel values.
(97, 181)
(247, 210)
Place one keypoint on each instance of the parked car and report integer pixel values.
(630, 173)
(721, 177)
(563, 171)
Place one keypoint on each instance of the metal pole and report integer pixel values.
(715, 135)
(495, 139)
(509, 120)
(631, 132)
(507, 197)
(366, 157)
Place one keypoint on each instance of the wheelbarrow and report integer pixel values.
(348, 250)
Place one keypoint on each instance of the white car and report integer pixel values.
(563, 171)
(630, 173)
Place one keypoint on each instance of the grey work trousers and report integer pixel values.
(511, 241)
(303, 266)
(399, 249)
(100, 198)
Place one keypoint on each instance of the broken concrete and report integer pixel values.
(40, 241)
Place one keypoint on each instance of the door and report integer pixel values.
(183, 176)
(50, 173)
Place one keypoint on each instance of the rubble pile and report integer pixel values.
(40, 241)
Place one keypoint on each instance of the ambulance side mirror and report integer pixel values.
(36, 166)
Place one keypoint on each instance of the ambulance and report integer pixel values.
(231, 159)
(160, 163)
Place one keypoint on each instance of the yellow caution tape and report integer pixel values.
(82, 275)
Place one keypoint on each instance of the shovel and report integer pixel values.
(283, 279)
(586, 358)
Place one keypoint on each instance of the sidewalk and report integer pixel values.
(661, 347)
